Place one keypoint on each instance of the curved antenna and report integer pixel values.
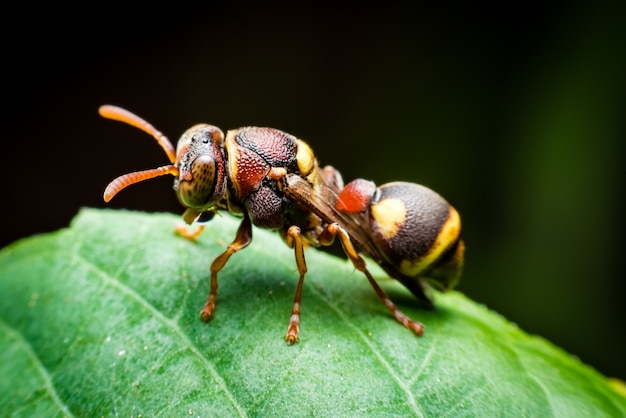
(123, 115)
(131, 178)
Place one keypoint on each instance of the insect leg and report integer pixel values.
(294, 240)
(187, 234)
(326, 238)
(242, 239)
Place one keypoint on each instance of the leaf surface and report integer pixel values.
(102, 318)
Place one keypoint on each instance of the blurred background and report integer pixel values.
(515, 114)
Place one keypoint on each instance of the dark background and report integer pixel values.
(515, 113)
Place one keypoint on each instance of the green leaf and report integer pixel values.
(102, 319)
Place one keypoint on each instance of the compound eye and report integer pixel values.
(200, 160)
(356, 196)
(198, 190)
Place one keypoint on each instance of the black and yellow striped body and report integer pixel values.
(416, 232)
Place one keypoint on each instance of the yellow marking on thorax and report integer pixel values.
(304, 157)
(389, 215)
(232, 160)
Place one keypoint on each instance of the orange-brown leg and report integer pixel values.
(327, 237)
(242, 239)
(294, 240)
(190, 235)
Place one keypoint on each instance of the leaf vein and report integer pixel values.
(38, 366)
(544, 390)
(401, 384)
(425, 363)
(111, 281)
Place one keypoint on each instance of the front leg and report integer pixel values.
(241, 241)
(184, 232)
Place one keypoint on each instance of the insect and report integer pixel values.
(408, 229)
(271, 179)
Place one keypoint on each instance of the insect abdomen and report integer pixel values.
(415, 228)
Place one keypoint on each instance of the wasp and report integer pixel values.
(271, 179)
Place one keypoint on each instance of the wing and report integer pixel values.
(321, 200)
